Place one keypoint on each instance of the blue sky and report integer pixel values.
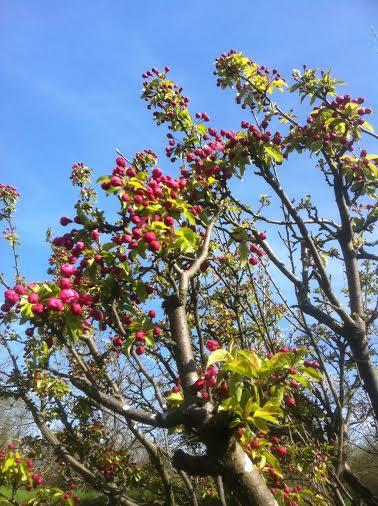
(70, 82)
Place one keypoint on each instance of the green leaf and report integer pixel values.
(368, 126)
(177, 429)
(294, 87)
(45, 348)
(248, 408)
(313, 373)
(219, 356)
(201, 129)
(24, 471)
(73, 326)
(239, 234)
(235, 423)
(158, 225)
(274, 152)
(252, 357)
(260, 424)
(302, 380)
(149, 340)
(244, 253)
(26, 312)
(140, 291)
(273, 461)
(189, 217)
(8, 464)
(46, 290)
(186, 239)
(264, 415)
(242, 366)
(108, 246)
(277, 361)
(269, 411)
(175, 398)
(133, 181)
(236, 388)
(153, 208)
(129, 343)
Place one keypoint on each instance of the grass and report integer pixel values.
(92, 498)
(88, 498)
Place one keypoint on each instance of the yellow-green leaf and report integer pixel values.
(274, 152)
(219, 356)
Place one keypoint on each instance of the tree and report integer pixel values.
(269, 411)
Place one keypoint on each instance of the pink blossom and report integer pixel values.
(65, 283)
(149, 237)
(211, 371)
(212, 345)
(67, 270)
(140, 336)
(55, 304)
(33, 298)
(116, 181)
(121, 162)
(139, 350)
(68, 295)
(95, 235)
(211, 381)
(20, 289)
(199, 385)
(11, 297)
(253, 260)
(37, 308)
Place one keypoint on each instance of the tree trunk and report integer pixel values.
(220, 489)
(238, 473)
(358, 487)
(241, 476)
(359, 346)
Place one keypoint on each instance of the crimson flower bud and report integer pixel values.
(139, 350)
(37, 309)
(199, 385)
(67, 270)
(212, 345)
(120, 161)
(20, 289)
(253, 260)
(95, 235)
(64, 220)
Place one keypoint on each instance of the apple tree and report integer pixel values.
(213, 328)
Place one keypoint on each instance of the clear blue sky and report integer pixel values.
(70, 81)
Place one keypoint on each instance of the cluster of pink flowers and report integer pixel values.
(8, 200)
(257, 251)
(158, 187)
(68, 297)
(80, 175)
(8, 192)
(209, 378)
(139, 335)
